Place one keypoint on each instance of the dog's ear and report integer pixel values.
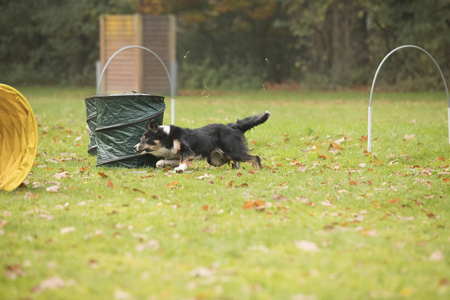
(151, 125)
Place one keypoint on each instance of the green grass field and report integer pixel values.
(323, 219)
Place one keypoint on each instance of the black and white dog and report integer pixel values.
(219, 143)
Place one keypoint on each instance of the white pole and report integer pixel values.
(369, 130)
(172, 111)
(449, 125)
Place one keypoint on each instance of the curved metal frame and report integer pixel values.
(369, 135)
(172, 88)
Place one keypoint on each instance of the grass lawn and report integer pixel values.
(322, 220)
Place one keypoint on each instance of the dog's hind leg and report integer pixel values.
(217, 158)
(254, 160)
(235, 165)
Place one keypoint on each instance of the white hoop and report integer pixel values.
(369, 129)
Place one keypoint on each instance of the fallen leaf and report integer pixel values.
(436, 256)
(30, 195)
(323, 156)
(304, 200)
(277, 197)
(307, 246)
(205, 176)
(151, 245)
(14, 271)
(139, 191)
(444, 281)
(51, 283)
(93, 263)
(102, 175)
(327, 203)
(242, 185)
(258, 205)
(431, 216)
(53, 189)
(202, 272)
(427, 171)
(61, 175)
(173, 185)
(405, 218)
(67, 230)
(335, 146)
(122, 295)
(110, 184)
(408, 136)
(371, 233)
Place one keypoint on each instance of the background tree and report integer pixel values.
(50, 41)
(239, 44)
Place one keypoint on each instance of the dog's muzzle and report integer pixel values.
(136, 149)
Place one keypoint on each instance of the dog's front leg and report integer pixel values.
(185, 158)
(167, 163)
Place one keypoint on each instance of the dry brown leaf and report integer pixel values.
(110, 184)
(258, 204)
(14, 271)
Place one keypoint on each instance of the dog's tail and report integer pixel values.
(250, 122)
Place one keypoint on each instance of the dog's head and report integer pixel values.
(153, 140)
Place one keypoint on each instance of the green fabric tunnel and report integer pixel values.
(117, 122)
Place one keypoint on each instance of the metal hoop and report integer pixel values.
(172, 87)
(369, 134)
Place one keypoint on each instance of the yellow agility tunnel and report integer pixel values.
(18, 138)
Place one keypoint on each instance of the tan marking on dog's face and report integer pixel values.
(143, 147)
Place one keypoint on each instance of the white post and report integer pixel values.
(449, 125)
(369, 131)
(172, 112)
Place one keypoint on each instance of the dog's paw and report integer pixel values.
(160, 164)
(181, 168)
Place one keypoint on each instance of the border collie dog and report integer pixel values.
(218, 143)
